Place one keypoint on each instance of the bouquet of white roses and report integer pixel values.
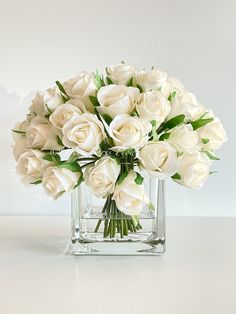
(105, 129)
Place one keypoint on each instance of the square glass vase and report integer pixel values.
(98, 233)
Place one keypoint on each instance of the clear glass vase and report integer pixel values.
(90, 225)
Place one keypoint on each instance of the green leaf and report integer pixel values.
(210, 155)
(135, 219)
(72, 166)
(52, 158)
(140, 88)
(151, 206)
(200, 123)
(139, 179)
(107, 118)
(154, 130)
(164, 136)
(122, 176)
(205, 140)
(109, 81)
(104, 145)
(62, 90)
(49, 110)
(176, 176)
(129, 82)
(172, 96)
(37, 181)
(19, 132)
(94, 101)
(212, 172)
(175, 121)
(59, 141)
(98, 80)
(81, 179)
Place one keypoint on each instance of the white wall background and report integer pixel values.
(42, 41)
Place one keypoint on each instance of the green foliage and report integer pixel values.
(172, 96)
(176, 176)
(200, 122)
(107, 118)
(37, 182)
(122, 176)
(175, 121)
(52, 157)
(72, 166)
(140, 88)
(109, 81)
(139, 179)
(129, 82)
(210, 155)
(59, 141)
(19, 132)
(205, 140)
(164, 136)
(64, 95)
(94, 101)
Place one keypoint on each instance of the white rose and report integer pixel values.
(102, 176)
(52, 98)
(56, 181)
(129, 132)
(20, 129)
(40, 135)
(120, 73)
(173, 85)
(159, 159)
(62, 114)
(31, 165)
(130, 197)
(193, 169)
(150, 80)
(116, 99)
(19, 147)
(184, 104)
(183, 138)
(81, 87)
(37, 105)
(83, 133)
(213, 134)
(153, 106)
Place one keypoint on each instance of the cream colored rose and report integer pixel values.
(212, 135)
(19, 147)
(183, 138)
(81, 87)
(102, 176)
(159, 159)
(56, 181)
(31, 165)
(150, 80)
(62, 114)
(129, 132)
(40, 135)
(120, 73)
(153, 106)
(116, 99)
(37, 105)
(193, 169)
(173, 85)
(83, 133)
(129, 196)
(52, 98)
(184, 104)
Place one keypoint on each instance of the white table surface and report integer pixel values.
(38, 275)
